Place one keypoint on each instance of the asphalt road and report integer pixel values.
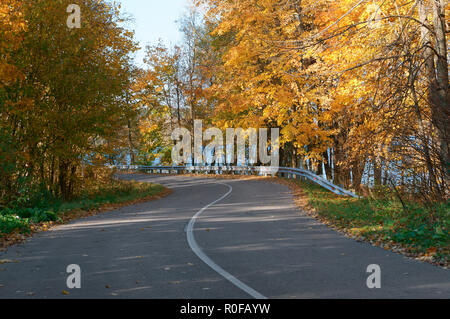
(248, 240)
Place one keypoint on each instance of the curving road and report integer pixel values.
(210, 239)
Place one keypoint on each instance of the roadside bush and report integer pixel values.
(10, 223)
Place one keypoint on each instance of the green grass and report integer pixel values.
(421, 230)
(21, 215)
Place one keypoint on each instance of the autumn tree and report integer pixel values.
(264, 83)
(382, 56)
(67, 103)
(12, 25)
(360, 87)
(172, 88)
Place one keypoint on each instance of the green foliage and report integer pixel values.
(36, 215)
(160, 155)
(10, 223)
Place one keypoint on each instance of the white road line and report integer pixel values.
(197, 250)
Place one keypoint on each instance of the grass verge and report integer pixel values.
(18, 223)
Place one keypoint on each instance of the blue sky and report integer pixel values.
(154, 20)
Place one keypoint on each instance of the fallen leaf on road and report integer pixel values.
(8, 261)
(65, 292)
(107, 286)
(431, 251)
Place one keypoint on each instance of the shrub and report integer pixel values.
(11, 223)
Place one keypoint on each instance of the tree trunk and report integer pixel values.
(441, 95)
(341, 172)
(436, 64)
(62, 179)
(130, 144)
(327, 162)
(377, 173)
(358, 171)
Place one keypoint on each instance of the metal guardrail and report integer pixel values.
(244, 170)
